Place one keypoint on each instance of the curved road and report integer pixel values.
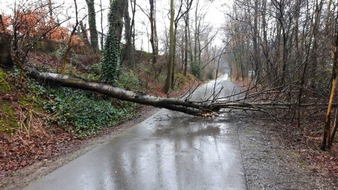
(169, 150)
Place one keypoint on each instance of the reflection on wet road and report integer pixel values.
(216, 89)
(169, 150)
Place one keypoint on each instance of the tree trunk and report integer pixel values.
(175, 104)
(186, 44)
(129, 50)
(83, 32)
(255, 40)
(5, 51)
(101, 25)
(153, 34)
(111, 52)
(169, 82)
(185, 105)
(327, 137)
(315, 33)
(133, 8)
(92, 25)
(120, 9)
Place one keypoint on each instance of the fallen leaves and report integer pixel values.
(22, 149)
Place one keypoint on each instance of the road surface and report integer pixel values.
(169, 150)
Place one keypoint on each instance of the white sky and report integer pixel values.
(214, 15)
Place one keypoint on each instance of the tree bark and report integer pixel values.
(186, 44)
(92, 25)
(120, 9)
(5, 51)
(129, 49)
(153, 34)
(175, 104)
(327, 126)
(197, 108)
(169, 81)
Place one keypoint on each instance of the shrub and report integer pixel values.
(196, 70)
(128, 80)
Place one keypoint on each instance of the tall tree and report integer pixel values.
(180, 14)
(132, 27)
(128, 53)
(151, 15)
(101, 25)
(111, 51)
(315, 34)
(169, 82)
(186, 43)
(129, 48)
(153, 28)
(255, 41)
(120, 8)
(330, 131)
(92, 25)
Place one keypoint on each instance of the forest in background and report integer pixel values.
(289, 49)
(284, 53)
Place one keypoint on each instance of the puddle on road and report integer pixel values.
(188, 127)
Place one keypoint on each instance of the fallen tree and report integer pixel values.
(185, 105)
(267, 100)
(175, 104)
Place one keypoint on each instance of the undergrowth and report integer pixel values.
(8, 121)
(80, 112)
(85, 112)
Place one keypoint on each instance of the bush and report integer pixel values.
(128, 80)
(196, 70)
(180, 80)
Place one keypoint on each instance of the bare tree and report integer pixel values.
(129, 48)
(65, 55)
(151, 15)
(169, 82)
(153, 28)
(331, 129)
(290, 51)
(30, 24)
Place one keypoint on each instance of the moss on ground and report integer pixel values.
(8, 121)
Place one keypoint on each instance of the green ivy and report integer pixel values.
(85, 111)
(128, 80)
(111, 51)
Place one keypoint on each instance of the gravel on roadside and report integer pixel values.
(269, 164)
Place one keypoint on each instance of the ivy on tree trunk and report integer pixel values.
(111, 51)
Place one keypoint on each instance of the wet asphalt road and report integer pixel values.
(169, 150)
